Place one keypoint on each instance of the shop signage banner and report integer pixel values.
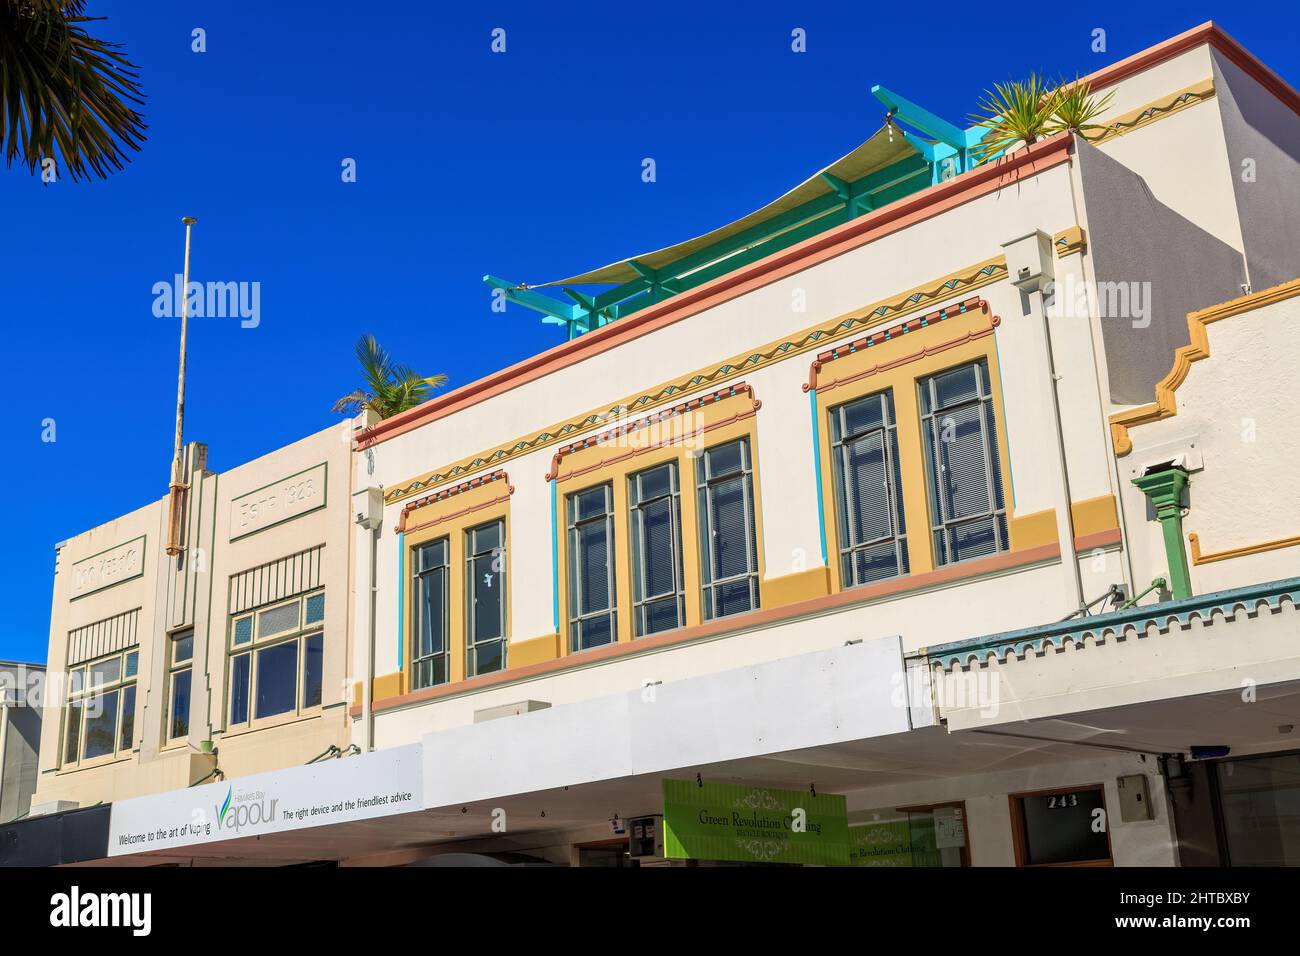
(720, 821)
(880, 844)
(362, 787)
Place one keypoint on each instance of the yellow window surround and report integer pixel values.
(678, 434)
(894, 359)
(450, 513)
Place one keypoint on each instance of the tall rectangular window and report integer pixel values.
(180, 655)
(728, 549)
(429, 654)
(485, 599)
(967, 515)
(655, 512)
(99, 714)
(592, 602)
(869, 511)
(277, 655)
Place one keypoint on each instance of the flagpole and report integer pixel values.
(177, 487)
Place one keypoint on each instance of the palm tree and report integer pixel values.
(62, 89)
(389, 388)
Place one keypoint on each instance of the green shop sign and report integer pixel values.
(722, 821)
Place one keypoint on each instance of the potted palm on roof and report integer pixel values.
(1021, 112)
(388, 387)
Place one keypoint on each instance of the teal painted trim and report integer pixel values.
(1053, 636)
(925, 121)
(401, 600)
(555, 562)
(817, 471)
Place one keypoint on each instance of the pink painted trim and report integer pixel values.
(1207, 33)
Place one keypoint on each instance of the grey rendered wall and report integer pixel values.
(1263, 139)
(1175, 267)
(18, 762)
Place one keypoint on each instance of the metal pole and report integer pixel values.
(177, 484)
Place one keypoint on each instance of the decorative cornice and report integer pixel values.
(1207, 33)
(897, 332)
(1069, 241)
(1198, 557)
(740, 388)
(1145, 115)
(1166, 403)
(905, 303)
(1118, 626)
(451, 492)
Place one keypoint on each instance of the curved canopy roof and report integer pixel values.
(886, 147)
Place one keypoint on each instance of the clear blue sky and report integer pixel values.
(526, 165)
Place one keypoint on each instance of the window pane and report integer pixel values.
(77, 680)
(314, 609)
(243, 630)
(179, 722)
(431, 612)
(431, 555)
(662, 615)
(725, 459)
(733, 598)
(239, 672)
(959, 385)
(589, 504)
(964, 466)
(593, 553)
(182, 647)
(875, 563)
(660, 547)
(312, 669)
(277, 679)
(101, 726)
(655, 483)
(278, 619)
(864, 415)
(105, 672)
(73, 745)
(487, 537)
(730, 520)
(595, 631)
(132, 663)
(128, 717)
(868, 489)
(489, 658)
(486, 592)
(431, 672)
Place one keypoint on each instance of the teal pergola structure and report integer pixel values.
(895, 162)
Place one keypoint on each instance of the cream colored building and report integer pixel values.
(847, 509)
(224, 660)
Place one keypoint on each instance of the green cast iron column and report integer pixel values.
(1165, 491)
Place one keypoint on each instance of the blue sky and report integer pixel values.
(525, 164)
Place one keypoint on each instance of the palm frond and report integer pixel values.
(390, 388)
(64, 92)
(1076, 107)
(1014, 113)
